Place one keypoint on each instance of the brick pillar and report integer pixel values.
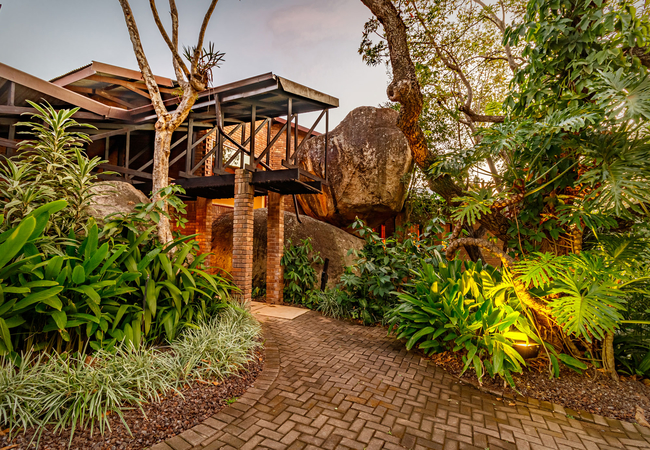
(204, 219)
(274, 249)
(242, 236)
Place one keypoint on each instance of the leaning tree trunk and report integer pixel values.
(405, 90)
(160, 175)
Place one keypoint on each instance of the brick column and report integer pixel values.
(242, 236)
(274, 249)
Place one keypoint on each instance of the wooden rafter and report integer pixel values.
(138, 87)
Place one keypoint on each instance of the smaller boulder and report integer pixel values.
(111, 197)
(330, 241)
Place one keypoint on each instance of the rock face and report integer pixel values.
(330, 241)
(114, 197)
(368, 158)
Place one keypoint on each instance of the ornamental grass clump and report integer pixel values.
(219, 347)
(70, 391)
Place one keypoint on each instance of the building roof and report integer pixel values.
(105, 91)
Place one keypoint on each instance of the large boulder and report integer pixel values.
(368, 158)
(330, 241)
(112, 197)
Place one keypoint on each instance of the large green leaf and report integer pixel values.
(37, 297)
(16, 240)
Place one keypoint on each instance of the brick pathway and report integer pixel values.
(328, 384)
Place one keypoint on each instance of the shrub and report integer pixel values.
(300, 275)
(51, 167)
(382, 267)
(450, 309)
(128, 289)
(471, 308)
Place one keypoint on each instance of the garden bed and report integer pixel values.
(167, 418)
(592, 392)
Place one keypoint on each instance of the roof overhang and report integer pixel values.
(99, 68)
(36, 86)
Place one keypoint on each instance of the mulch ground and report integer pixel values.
(592, 391)
(173, 415)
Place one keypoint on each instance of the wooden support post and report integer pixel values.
(243, 142)
(11, 94)
(253, 133)
(12, 136)
(327, 130)
(190, 151)
(268, 140)
(128, 149)
(288, 139)
(295, 141)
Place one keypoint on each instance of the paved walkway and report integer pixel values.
(328, 384)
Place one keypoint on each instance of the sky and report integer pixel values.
(311, 42)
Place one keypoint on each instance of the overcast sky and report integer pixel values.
(312, 42)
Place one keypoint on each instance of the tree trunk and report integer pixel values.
(609, 362)
(160, 175)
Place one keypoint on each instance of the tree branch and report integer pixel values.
(173, 46)
(199, 44)
(405, 89)
(450, 65)
(180, 70)
(475, 117)
(501, 25)
(140, 56)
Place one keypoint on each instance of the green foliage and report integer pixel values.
(567, 43)
(590, 289)
(219, 346)
(50, 167)
(300, 276)
(66, 284)
(330, 303)
(473, 206)
(70, 390)
(450, 308)
(382, 267)
(632, 353)
(103, 291)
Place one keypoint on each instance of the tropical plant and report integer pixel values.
(218, 346)
(449, 309)
(105, 293)
(52, 166)
(17, 260)
(300, 276)
(382, 267)
(463, 307)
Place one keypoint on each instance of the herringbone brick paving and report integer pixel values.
(329, 384)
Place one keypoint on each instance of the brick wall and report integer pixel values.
(200, 214)
(201, 150)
